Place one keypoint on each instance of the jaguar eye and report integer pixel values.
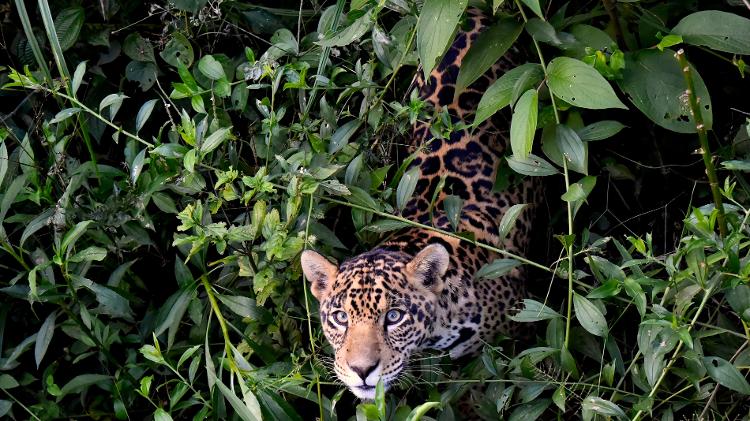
(341, 317)
(393, 316)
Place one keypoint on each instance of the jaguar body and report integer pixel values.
(417, 290)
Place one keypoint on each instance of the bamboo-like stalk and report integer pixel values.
(700, 127)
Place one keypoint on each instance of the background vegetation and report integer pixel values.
(162, 165)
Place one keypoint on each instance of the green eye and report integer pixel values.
(393, 316)
(341, 318)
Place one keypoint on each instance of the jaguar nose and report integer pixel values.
(364, 371)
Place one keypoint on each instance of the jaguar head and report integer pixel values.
(376, 310)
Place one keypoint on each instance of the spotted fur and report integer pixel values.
(423, 279)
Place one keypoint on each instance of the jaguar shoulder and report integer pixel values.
(417, 289)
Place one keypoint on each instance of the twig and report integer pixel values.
(695, 110)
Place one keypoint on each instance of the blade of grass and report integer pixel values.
(49, 27)
(31, 39)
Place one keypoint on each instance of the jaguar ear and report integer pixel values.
(428, 267)
(319, 271)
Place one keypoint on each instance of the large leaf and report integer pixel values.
(491, 44)
(654, 83)
(726, 374)
(83, 381)
(44, 337)
(523, 124)
(499, 94)
(715, 29)
(178, 51)
(534, 311)
(351, 33)
(437, 25)
(581, 85)
(532, 165)
(560, 143)
(497, 268)
(68, 24)
(406, 186)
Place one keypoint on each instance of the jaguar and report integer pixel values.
(417, 289)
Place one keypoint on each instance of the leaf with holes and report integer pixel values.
(486, 50)
(581, 85)
(660, 96)
(437, 24)
(178, 51)
(726, 374)
(523, 124)
(138, 48)
(715, 29)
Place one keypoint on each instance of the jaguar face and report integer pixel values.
(376, 310)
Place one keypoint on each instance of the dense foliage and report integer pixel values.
(163, 165)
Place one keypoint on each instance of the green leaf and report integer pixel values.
(162, 415)
(669, 41)
(214, 140)
(92, 253)
(523, 124)
(137, 166)
(534, 6)
(386, 225)
(245, 413)
(509, 219)
(533, 166)
(138, 48)
(530, 411)
(83, 381)
(417, 413)
(68, 24)
(560, 142)
(178, 51)
(143, 114)
(211, 68)
(341, 136)
(589, 316)
(597, 405)
(654, 83)
(581, 85)
(721, 31)
(436, 27)
(351, 33)
(5, 406)
(600, 130)
(453, 206)
(242, 306)
(8, 382)
(74, 234)
(726, 374)
(65, 114)
(534, 311)
(113, 101)
(44, 337)
(78, 77)
(3, 161)
(497, 268)
(499, 94)
(486, 50)
(143, 72)
(406, 186)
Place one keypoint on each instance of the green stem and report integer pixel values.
(700, 127)
(307, 310)
(440, 231)
(222, 323)
(569, 250)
